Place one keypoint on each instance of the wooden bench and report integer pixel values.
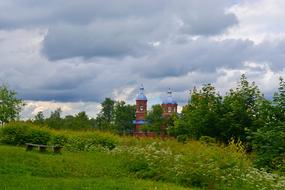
(43, 148)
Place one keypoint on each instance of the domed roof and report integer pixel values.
(169, 99)
(141, 95)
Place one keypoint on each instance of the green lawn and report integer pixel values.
(83, 170)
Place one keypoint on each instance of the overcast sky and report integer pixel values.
(72, 54)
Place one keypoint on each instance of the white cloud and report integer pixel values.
(259, 20)
(67, 108)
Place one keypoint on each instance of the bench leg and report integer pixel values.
(56, 149)
(42, 149)
(29, 148)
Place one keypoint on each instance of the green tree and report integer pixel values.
(154, 119)
(269, 141)
(39, 118)
(10, 105)
(78, 122)
(279, 102)
(105, 119)
(243, 114)
(55, 120)
(124, 115)
(201, 117)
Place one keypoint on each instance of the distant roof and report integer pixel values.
(169, 99)
(141, 95)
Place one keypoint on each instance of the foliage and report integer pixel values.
(155, 119)
(269, 141)
(104, 120)
(54, 121)
(124, 114)
(21, 133)
(39, 118)
(10, 105)
(116, 116)
(201, 116)
(197, 165)
(269, 145)
(242, 110)
(192, 164)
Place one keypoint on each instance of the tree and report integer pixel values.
(201, 117)
(77, 122)
(243, 114)
(55, 121)
(279, 102)
(39, 118)
(105, 119)
(124, 115)
(10, 105)
(269, 140)
(154, 119)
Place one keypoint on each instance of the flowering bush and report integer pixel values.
(198, 165)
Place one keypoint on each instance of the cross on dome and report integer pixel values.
(141, 95)
(169, 99)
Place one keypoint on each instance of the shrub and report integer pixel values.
(196, 164)
(19, 133)
(89, 142)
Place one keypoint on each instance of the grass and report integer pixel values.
(80, 170)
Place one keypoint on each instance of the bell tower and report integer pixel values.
(141, 109)
(169, 105)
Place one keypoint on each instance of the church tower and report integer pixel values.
(169, 105)
(141, 109)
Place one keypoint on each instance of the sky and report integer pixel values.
(72, 54)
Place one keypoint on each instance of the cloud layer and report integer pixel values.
(83, 51)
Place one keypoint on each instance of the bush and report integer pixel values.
(207, 139)
(89, 142)
(19, 133)
(196, 164)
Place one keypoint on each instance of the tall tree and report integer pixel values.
(124, 115)
(55, 120)
(242, 110)
(105, 119)
(39, 118)
(155, 119)
(10, 105)
(269, 141)
(201, 116)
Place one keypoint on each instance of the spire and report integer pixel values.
(141, 95)
(141, 89)
(169, 93)
(169, 99)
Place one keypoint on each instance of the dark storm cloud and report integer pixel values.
(202, 55)
(114, 28)
(97, 47)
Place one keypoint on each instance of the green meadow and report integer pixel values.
(81, 170)
(96, 160)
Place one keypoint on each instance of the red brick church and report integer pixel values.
(169, 106)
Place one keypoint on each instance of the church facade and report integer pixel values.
(169, 107)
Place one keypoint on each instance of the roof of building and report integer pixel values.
(141, 95)
(169, 99)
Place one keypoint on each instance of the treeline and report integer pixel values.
(115, 116)
(243, 114)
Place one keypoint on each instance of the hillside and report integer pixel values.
(82, 170)
(97, 160)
